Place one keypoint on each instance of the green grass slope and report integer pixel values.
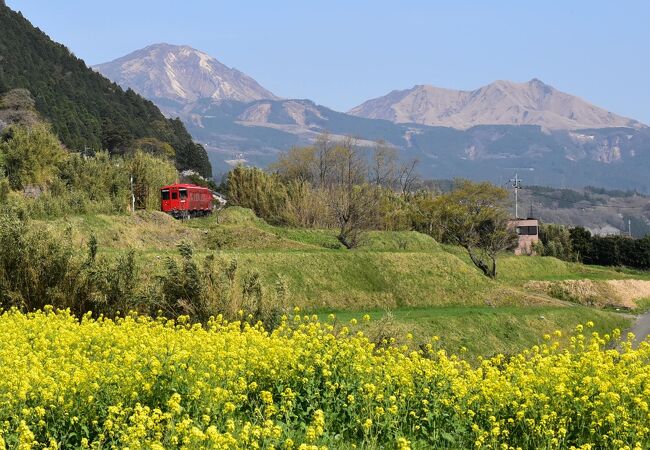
(368, 279)
(406, 281)
(483, 331)
(517, 270)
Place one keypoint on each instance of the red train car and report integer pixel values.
(185, 200)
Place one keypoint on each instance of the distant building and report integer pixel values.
(528, 233)
(220, 199)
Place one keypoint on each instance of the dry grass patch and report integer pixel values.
(144, 230)
(622, 294)
(630, 291)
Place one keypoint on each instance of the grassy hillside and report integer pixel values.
(479, 330)
(406, 281)
(369, 279)
(516, 271)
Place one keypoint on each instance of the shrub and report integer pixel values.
(255, 189)
(37, 267)
(30, 155)
(109, 286)
(555, 240)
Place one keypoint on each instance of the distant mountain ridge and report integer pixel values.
(591, 146)
(182, 75)
(498, 103)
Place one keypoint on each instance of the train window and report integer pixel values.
(183, 193)
(165, 194)
(174, 195)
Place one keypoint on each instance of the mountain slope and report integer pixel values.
(181, 75)
(257, 131)
(498, 103)
(85, 109)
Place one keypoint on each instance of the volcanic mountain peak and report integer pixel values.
(181, 74)
(499, 103)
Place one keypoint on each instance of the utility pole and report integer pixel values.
(516, 184)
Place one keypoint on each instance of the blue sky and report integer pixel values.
(341, 53)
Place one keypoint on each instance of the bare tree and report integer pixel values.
(384, 167)
(348, 165)
(352, 201)
(298, 164)
(355, 211)
(18, 107)
(407, 176)
(323, 158)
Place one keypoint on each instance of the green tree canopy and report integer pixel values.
(474, 216)
(84, 108)
(30, 156)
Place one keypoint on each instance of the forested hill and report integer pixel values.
(85, 109)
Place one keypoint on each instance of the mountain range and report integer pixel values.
(498, 103)
(487, 133)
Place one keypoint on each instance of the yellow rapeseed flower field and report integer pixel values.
(142, 383)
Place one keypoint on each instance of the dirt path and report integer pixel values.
(641, 328)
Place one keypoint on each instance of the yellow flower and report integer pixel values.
(154, 383)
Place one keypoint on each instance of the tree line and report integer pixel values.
(85, 109)
(39, 177)
(337, 183)
(578, 244)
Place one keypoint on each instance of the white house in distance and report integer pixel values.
(528, 233)
(219, 199)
